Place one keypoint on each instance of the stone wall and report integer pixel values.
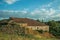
(44, 28)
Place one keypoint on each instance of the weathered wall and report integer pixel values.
(44, 28)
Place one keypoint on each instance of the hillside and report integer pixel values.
(16, 32)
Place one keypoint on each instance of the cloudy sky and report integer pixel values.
(35, 9)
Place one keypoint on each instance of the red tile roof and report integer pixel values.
(30, 22)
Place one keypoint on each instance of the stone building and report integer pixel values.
(29, 23)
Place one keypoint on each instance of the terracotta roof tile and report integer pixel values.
(30, 22)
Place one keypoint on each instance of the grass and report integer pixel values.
(26, 37)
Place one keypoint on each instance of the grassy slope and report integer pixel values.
(4, 35)
(16, 37)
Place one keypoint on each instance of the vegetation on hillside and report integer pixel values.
(16, 32)
(54, 28)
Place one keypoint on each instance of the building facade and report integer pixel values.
(29, 23)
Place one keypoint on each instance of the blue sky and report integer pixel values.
(35, 9)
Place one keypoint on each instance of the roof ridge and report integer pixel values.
(30, 22)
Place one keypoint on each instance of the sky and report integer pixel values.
(35, 9)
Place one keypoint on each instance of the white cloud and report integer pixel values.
(24, 11)
(15, 11)
(58, 15)
(36, 11)
(52, 4)
(52, 11)
(10, 1)
(43, 11)
(47, 5)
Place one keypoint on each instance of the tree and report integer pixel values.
(38, 20)
(54, 27)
